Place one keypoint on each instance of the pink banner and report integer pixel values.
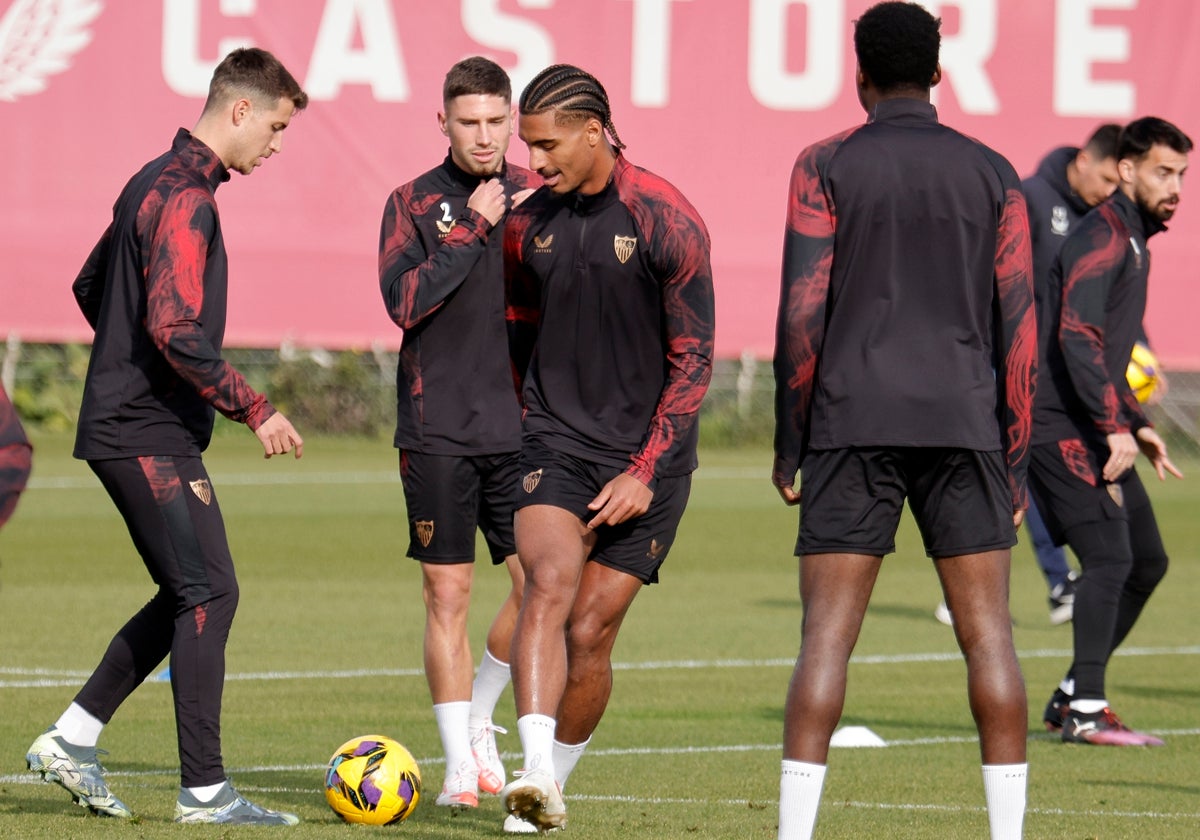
(716, 96)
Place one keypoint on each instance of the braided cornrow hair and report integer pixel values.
(570, 90)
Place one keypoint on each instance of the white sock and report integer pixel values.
(1067, 686)
(566, 756)
(1004, 789)
(1088, 707)
(79, 727)
(205, 793)
(490, 681)
(800, 786)
(537, 740)
(452, 726)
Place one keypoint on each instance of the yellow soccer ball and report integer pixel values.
(1142, 373)
(373, 780)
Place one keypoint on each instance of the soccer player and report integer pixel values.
(1088, 426)
(154, 290)
(15, 455)
(904, 367)
(458, 424)
(610, 305)
(1068, 183)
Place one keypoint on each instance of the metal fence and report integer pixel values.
(353, 392)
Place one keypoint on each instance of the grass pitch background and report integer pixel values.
(327, 645)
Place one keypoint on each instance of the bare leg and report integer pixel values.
(603, 600)
(448, 664)
(976, 589)
(834, 589)
(553, 545)
(499, 638)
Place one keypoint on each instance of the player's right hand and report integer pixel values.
(789, 493)
(278, 436)
(488, 200)
(622, 498)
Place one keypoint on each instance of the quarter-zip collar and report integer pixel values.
(195, 154)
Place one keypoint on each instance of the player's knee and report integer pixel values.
(1104, 548)
(590, 637)
(550, 582)
(1147, 573)
(446, 590)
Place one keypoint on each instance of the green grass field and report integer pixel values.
(327, 645)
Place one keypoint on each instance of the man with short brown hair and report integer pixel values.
(154, 290)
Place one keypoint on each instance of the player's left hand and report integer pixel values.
(622, 498)
(1154, 448)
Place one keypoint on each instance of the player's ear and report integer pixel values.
(441, 117)
(241, 110)
(937, 76)
(1125, 169)
(594, 131)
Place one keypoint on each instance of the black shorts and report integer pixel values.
(449, 496)
(851, 500)
(638, 546)
(1065, 478)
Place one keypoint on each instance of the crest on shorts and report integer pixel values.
(530, 482)
(445, 227)
(656, 549)
(1117, 494)
(424, 529)
(624, 246)
(202, 489)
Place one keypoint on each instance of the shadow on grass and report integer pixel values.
(1157, 787)
(1155, 692)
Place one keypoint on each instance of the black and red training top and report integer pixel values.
(906, 316)
(1090, 312)
(154, 289)
(610, 310)
(441, 273)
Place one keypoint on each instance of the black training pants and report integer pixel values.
(172, 514)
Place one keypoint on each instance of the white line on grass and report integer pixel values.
(882, 806)
(49, 678)
(89, 482)
(610, 752)
(30, 779)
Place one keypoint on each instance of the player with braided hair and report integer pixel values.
(574, 94)
(610, 311)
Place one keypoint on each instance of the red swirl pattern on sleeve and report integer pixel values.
(804, 290)
(679, 249)
(1018, 335)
